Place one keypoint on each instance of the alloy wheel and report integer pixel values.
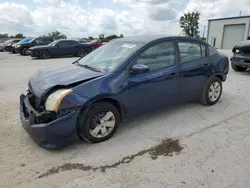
(214, 91)
(102, 124)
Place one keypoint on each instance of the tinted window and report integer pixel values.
(46, 40)
(38, 41)
(212, 50)
(71, 42)
(63, 43)
(158, 56)
(189, 51)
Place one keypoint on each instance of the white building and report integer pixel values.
(225, 33)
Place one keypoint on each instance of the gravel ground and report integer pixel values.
(210, 146)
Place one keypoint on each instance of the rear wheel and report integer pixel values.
(212, 92)
(44, 54)
(99, 123)
(237, 68)
(81, 53)
(25, 51)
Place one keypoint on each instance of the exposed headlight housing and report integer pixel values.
(53, 101)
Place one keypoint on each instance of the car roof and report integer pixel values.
(65, 40)
(150, 38)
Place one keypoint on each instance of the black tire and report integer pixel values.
(25, 51)
(81, 53)
(237, 68)
(44, 54)
(86, 118)
(205, 99)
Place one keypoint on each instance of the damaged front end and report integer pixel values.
(50, 124)
(240, 60)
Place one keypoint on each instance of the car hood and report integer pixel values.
(44, 80)
(39, 47)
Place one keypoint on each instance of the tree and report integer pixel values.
(4, 35)
(57, 35)
(101, 36)
(121, 35)
(110, 37)
(190, 24)
(90, 38)
(19, 35)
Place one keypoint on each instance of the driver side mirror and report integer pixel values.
(58, 45)
(139, 69)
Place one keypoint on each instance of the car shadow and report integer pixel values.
(147, 119)
(247, 72)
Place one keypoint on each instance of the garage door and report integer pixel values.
(233, 34)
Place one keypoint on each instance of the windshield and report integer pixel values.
(8, 41)
(25, 40)
(106, 58)
(53, 43)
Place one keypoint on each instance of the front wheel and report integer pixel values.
(44, 54)
(212, 92)
(99, 123)
(237, 68)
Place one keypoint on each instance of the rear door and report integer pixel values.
(194, 68)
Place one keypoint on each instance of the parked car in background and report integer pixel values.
(241, 56)
(23, 48)
(122, 79)
(12, 47)
(7, 43)
(59, 48)
(96, 43)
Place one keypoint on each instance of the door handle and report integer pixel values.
(206, 65)
(173, 74)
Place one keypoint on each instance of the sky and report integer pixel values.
(83, 18)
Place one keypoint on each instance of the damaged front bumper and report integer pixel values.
(241, 60)
(55, 132)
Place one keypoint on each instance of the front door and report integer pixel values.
(194, 69)
(159, 86)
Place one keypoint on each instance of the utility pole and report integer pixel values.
(240, 13)
(204, 30)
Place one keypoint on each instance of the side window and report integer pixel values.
(38, 41)
(212, 50)
(63, 43)
(203, 50)
(189, 51)
(158, 56)
(71, 42)
(47, 41)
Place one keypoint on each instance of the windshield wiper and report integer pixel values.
(86, 66)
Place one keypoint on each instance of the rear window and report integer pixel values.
(212, 50)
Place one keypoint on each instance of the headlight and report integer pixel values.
(53, 101)
(18, 45)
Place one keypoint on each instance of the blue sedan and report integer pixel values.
(89, 98)
(59, 48)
